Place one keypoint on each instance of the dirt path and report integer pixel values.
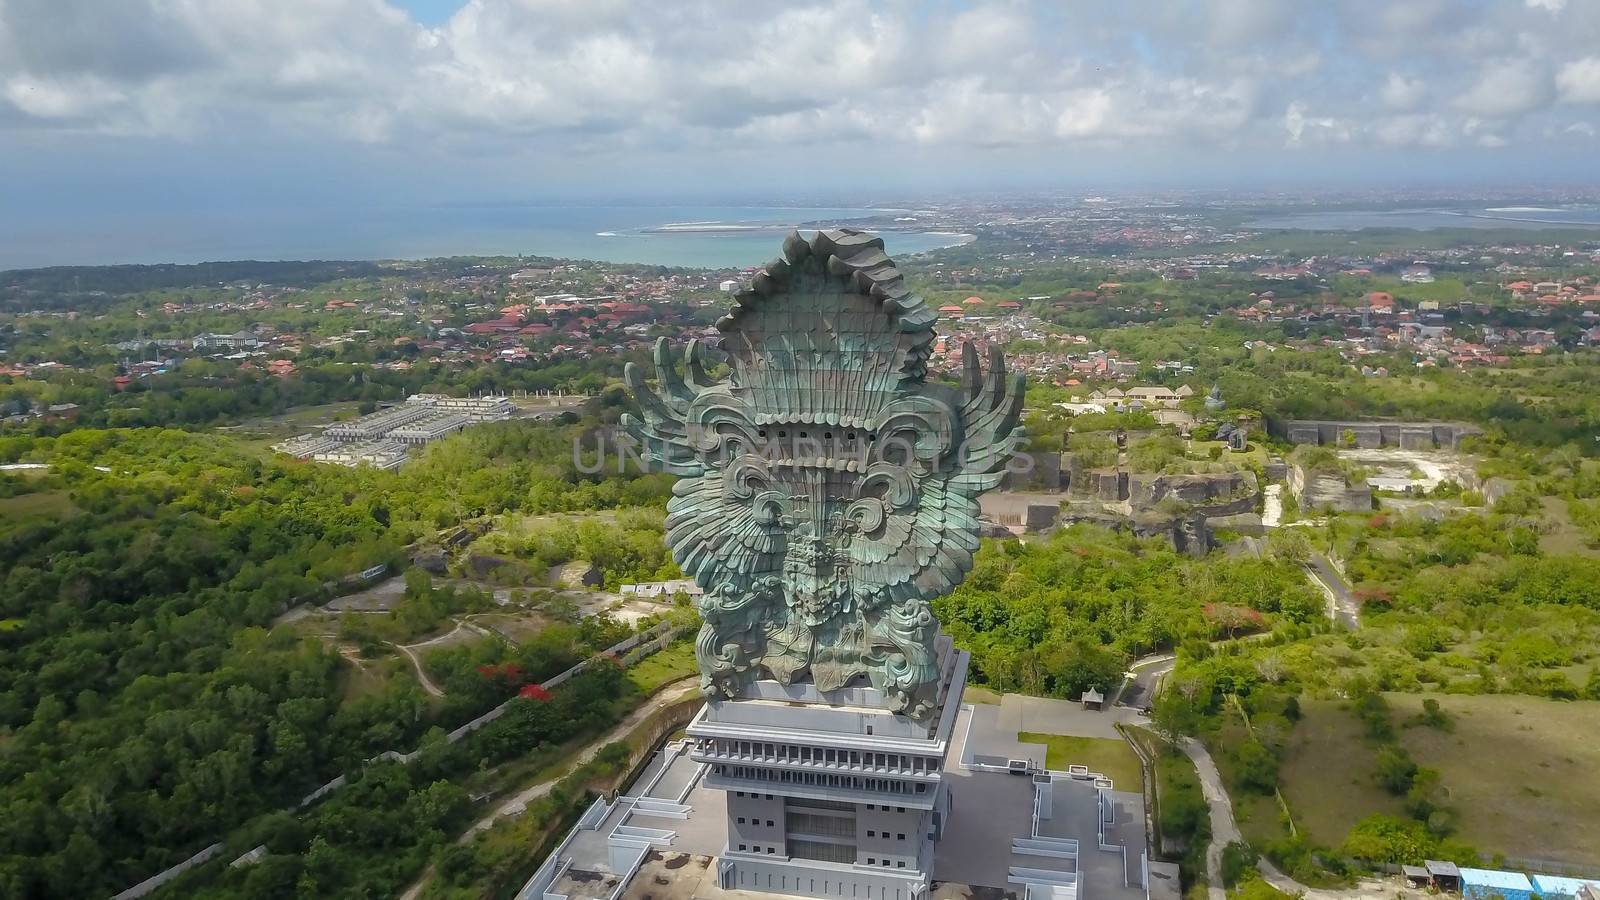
(422, 674)
(517, 804)
(1272, 506)
(1225, 831)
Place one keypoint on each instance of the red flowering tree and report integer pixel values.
(534, 692)
(1373, 597)
(1233, 620)
(505, 675)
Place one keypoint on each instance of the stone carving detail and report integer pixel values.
(828, 490)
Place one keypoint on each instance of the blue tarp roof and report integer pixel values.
(1494, 878)
(1558, 884)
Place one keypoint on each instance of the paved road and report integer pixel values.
(1342, 605)
(1148, 674)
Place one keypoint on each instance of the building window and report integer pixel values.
(743, 847)
(900, 837)
(871, 833)
(886, 864)
(769, 823)
(871, 861)
(769, 850)
(741, 820)
(901, 864)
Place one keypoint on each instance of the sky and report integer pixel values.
(110, 108)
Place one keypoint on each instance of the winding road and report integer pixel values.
(1343, 607)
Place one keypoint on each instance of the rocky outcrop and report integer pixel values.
(1318, 490)
(432, 560)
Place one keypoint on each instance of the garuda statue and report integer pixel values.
(828, 490)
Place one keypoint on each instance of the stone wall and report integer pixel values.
(1373, 433)
(1046, 475)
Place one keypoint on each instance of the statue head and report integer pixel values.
(828, 490)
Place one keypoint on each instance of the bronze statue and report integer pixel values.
(828, 490)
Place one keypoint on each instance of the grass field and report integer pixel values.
(1524, 772)
(1112, 758)
(55, 504)
(1561, 534)
(1326, 774)
(1520, 769)
(670, 664)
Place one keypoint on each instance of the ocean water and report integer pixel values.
(1530, 217)
(694, 236)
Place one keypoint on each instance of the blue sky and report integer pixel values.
(430, 12)
(114, 108)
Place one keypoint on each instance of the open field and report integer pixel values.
(1558, 532)
(1522, 770)
(55, 504)
(670, 664)
(1112, 758)
(295, 421)
(1327, 773)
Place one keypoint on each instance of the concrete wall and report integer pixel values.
(816, 879)
(1370, 433)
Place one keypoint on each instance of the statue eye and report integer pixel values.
(783, 434)
(802, 434)
(761, 433)
(827, 435)
(851, 436)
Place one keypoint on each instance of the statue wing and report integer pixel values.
(926, 550)
(662, 426)
(717, 538)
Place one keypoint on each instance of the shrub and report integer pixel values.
(1238, 862)
(1395, 769)
(1258, 766)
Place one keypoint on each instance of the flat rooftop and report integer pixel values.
(973, 859)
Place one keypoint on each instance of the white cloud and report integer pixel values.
(587, 76)
(1507, 88)
(1402, 93)
(1579, 80)
(1306, 129)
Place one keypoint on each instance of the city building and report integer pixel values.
(381, 438)
(242, 340)
(378, 454)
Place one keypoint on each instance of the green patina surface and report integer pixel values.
(828, 490)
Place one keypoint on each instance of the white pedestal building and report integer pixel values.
(829, 796)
